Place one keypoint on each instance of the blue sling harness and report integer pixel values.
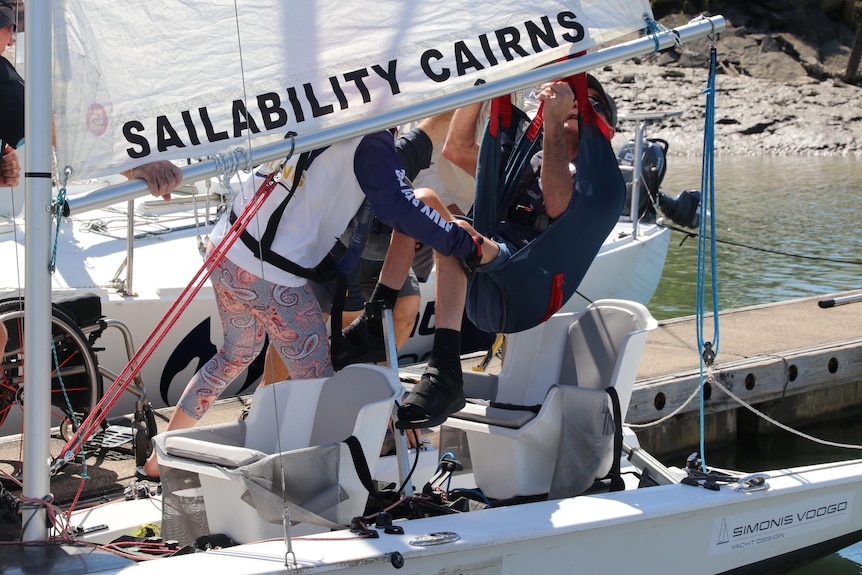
(537, 279)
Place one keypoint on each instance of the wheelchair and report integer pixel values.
(77, 377)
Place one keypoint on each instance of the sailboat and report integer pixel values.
(277, 484)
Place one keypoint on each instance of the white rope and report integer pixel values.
(781, 425)
(227, 165)
(668, 416)
(749, 407)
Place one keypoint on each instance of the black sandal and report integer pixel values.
(433, 399)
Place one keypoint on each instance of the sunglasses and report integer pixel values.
(598, 106)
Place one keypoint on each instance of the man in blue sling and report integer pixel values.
(545, 191)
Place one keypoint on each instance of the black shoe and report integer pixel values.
(433, 399)
(141, 476)
(360, 342)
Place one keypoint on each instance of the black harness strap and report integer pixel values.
(617, 483)
(262, 249)
(361, 465)
(336, 314)
(328, 269)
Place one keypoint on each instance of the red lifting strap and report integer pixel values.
(555, 300)
(501, 108)
(501, 114)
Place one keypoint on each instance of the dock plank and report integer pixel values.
(776, 356)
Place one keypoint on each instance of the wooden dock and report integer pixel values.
(795, 361)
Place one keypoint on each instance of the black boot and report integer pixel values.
(360, 342)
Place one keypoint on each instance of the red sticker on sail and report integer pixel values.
(97, 119)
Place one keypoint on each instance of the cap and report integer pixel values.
(7, 14)
(592, 82)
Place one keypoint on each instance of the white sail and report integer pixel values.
(137, 82)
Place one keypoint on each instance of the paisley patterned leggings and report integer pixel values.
(250, 308)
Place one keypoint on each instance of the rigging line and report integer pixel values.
(84, 475)
(690, 234)
(780, 253)
(765, 417)
(708, 350)
(669, 415)
(248, 132)
(262, 272)
(58, 209)
(654, 28)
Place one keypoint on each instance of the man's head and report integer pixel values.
(602, 104)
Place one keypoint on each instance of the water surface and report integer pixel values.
(805, 211)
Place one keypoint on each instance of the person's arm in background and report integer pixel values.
(10, 168)
(555, 176)
(461, 147)
(436, 127)
(162, 177)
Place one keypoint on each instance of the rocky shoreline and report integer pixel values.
(753, 116)
(777, 93)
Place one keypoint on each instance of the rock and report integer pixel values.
(779, 87)
(753, 116)
(777, 66)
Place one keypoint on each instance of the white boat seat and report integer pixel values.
(491, 413)
(210, 452)
(298, 426)
(516, 451)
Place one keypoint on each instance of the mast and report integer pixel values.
(37, 294)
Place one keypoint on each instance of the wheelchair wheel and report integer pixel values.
(144, 428)
(75, 382)
(141, 443)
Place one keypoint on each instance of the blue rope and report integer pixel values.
(652, 29)
(58, 208)
(707, 245)
(475, 492)
(448, 456)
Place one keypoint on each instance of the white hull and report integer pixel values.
(710, 523)
(802, 511)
